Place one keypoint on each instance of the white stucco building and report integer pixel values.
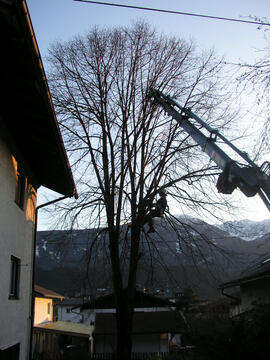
(31, 154)
(45, 300)
(16, 239)
(250, 289)
(69, 310)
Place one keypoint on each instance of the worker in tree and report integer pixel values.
(156, 210)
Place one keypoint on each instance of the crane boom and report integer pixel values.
(250, 179)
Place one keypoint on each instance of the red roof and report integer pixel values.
(42, 292)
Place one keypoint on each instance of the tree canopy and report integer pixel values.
(254, 79)
(123, 149)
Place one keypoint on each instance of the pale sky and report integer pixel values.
(61, 19)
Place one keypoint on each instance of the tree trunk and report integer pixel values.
(123, 301)
(124, 318)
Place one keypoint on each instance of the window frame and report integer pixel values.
(20, 188)
(49, 308)
(14, 278)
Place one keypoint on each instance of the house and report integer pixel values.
(157, 324)
(44, 305)
(62, 339)
(106, 304)
(251, 288)
(69, 310)
(32, 154)
(151, 332)
(53, 338)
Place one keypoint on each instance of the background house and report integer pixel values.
(62, 339)
(251, 288)
(106, 304)
(157, 324)
(44, 305)
(31, 154)
(151, 332)
(69, 310)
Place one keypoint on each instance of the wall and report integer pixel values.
(41, 310)
(149, 343)
(255, 292)
(88, 315)
(16, 238)
(235, 310)
(140, 343)
(64, 313)
(50, 344)
(104, 344)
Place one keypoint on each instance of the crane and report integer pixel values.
(249, 178)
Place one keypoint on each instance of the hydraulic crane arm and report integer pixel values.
(250, 179)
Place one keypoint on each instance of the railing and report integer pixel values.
(109, 356)
(134, 356)
(143, 356)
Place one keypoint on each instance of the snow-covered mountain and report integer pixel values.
(191, 251)
(246, 229)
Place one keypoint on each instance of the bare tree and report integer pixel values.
(254, 78)
(123, 149)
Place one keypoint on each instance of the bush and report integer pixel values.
(248, 337)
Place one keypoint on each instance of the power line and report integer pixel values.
(174, 12)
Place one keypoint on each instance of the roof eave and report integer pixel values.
(27, 114)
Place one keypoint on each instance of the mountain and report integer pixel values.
(187, 252)
(246, 229)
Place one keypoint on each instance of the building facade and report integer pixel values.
(45, 301)
(250, 289)
(17, 213)
(32, 154)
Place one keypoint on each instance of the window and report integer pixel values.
(49, 308)
(11, 353)
(20, 189)
(68, 310)
(14, 277)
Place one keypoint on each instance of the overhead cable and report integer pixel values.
(175, 12)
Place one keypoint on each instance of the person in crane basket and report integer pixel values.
(227, 182)
(156, 210)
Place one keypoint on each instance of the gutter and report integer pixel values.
(230, 296)
(249, 279)
(33, 269)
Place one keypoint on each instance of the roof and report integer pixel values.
(155, 322)
(259, 270)
(71, 302)
(142, 300)
(67, 328)
(41, 291)
(28, 123)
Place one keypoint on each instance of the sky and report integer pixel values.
(61, 19)
(55, 20)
